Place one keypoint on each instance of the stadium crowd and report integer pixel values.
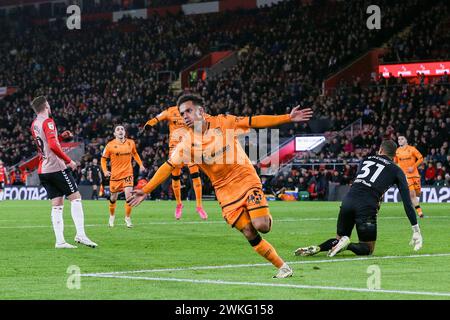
(109, 74)
(428, 37)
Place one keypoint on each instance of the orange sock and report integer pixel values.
(112, 207)
(265, 249)
(127, 210)
(176, 187)
(197, 183)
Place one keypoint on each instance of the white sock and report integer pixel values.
(58, 223)
(78, 216)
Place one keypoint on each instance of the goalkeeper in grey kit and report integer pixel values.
(376, 174)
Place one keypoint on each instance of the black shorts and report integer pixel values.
(58, 184)
(359, 212)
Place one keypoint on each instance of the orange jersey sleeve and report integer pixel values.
(418, 155)
(265, 121)
(163, 116)
(103, 161)
(135, 155)
(229, 123)
(244, 123)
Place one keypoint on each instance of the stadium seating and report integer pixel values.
(109, 74)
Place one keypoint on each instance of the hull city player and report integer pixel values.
(55, 175)
(361, 204)
(175, 121)
(120, 152)
(409, 159)
(236, 183)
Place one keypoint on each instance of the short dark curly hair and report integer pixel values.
(196, 100)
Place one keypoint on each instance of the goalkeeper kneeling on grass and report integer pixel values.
(375, 175)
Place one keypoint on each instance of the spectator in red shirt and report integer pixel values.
(348, 146)
(430, 174)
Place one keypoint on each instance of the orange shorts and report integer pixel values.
(240, 212)
(120, 184)
(414, 184)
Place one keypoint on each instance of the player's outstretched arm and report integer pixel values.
(161, 175)
(296, 115)
(416, 240)
(160, 117)
(151, 122)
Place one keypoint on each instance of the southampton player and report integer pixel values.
(3, 179)
(236, 183)
(120, 151)
(173, 117)
(55, 177)
(360, 206)
(409, 159)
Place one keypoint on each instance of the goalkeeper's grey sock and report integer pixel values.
(58, 223)
(327, 245)
(360, 249)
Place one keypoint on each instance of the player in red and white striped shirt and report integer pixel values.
(55, 176)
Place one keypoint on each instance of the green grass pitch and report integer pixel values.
(194, 259)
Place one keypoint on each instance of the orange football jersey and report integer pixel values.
(120, 155)
(406, 157)
(220, 156)
(176, 122)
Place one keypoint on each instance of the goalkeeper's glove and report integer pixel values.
(416, 240)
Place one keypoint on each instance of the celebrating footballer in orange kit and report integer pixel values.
(236, 183)
(173, 117)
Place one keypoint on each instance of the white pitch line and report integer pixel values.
(231, 266)
(282, 285)
(210, 222)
